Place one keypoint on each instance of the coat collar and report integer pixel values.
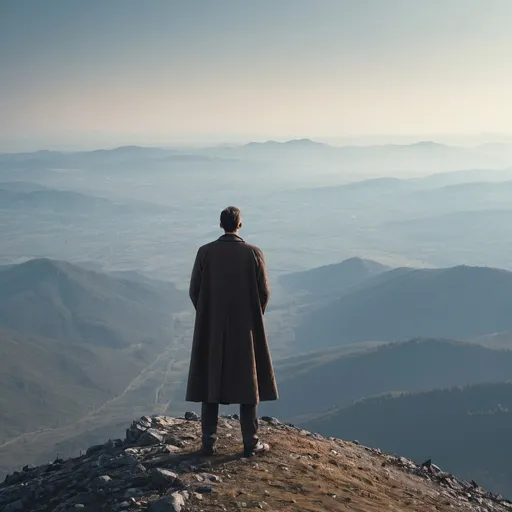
(230, 238)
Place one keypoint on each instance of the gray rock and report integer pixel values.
(174, 441)
(146, 422)
(134, 433)
(163, 477)
(119, 462)
(133, 492)
(151, 437)
(94, 449)
(173, 503)
(209, 477)
(102, 481)
(192, 416)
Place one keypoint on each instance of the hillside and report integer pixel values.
(59, 300)
(54, 201)
(47, 383)
(157, 468)
(311, 384)
(30, 198)
(72, 339)
(464, 430)
(459, 302)
(335, 277)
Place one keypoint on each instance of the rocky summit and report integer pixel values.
(158, 468)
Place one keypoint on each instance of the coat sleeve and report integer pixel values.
(195, 280)
(263, 287)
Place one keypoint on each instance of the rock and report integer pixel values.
(145, 422)
(102, 481)
(204, 489)
(209, 477)
(151, 437)
(134, 433)
(15, 506)
(94, 449)
(134, 492)
(83, 498)
(163, 477)
(120, 461)
(173, 503)
(192, 416)
(174, 441)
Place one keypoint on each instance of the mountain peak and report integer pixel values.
(336, 276)
(292, 143)
(303, 142)
(362, 262)
(427, 144)
(159, 464)
(43, 265)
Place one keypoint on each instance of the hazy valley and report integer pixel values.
(380, 286)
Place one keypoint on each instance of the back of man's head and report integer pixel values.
(231, 219)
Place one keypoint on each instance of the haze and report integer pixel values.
(100, 74)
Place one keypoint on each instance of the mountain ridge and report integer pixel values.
(332, 277)
(65, 300)
(312, 384)
(456, 302)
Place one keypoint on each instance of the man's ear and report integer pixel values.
(240, 226)
(221, 226)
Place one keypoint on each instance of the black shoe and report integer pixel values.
(208, 450)
(257, 449)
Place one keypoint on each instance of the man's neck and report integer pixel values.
(234, 233)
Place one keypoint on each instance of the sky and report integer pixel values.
(99, 73)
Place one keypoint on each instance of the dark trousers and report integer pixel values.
(248, 422)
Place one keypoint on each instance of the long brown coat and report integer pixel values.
(230, 361)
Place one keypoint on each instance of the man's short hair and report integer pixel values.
(230, 219)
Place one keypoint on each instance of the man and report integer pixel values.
(230, 361)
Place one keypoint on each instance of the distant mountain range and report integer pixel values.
(463, 430)
(313, 383)
(460, 302)
(125, 158)
(440, 193)
(421, 156)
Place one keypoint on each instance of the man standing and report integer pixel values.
(230, 361)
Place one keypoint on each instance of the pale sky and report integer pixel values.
(104, 72)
